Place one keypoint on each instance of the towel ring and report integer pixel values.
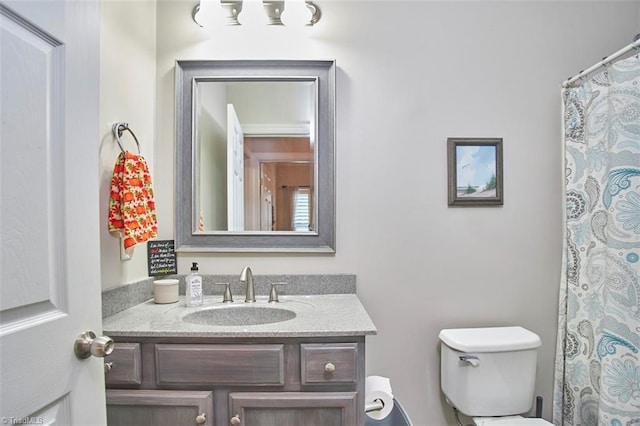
(118, 129)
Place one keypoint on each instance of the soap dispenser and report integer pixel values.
(194, 286)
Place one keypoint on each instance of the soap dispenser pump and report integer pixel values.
(194, 286)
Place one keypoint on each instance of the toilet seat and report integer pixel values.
(510, 421)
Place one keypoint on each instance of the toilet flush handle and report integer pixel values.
(471, 359)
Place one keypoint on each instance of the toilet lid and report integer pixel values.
(510, 421)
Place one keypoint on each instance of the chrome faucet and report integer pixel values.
(247, 277)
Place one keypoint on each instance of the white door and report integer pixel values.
(266, 209)
(49, 239)
(235, 171)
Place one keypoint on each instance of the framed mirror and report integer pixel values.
(255, 156)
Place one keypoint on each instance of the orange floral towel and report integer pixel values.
(132, 210)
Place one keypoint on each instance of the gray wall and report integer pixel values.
(127, 94)
(410, 75)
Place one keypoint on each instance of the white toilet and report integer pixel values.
(489, 374)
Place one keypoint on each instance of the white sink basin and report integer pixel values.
(239, 315)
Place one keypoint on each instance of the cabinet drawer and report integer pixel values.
(220, 364)
(126, 365)
(328, 363)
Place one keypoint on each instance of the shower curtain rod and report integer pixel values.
(635, 45)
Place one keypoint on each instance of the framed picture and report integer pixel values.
(475, 171)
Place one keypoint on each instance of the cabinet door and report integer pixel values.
(125, 366)
(159, 408)
(292, 408)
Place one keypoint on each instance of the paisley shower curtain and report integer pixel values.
(597, 377)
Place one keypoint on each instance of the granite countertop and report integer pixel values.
(322, 315)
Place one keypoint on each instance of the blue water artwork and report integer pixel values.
(476, 170)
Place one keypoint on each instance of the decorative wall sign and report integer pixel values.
(475, 171)
(161, 258)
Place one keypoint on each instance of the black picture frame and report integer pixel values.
(475, 172)
(161, 258)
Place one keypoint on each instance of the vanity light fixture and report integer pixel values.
(297, 14)
(252, 15)
(212, 12)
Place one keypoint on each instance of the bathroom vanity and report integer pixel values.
(300, 361)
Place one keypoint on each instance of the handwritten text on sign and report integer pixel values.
(161, 257)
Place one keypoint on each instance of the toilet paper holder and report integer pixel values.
(375, 405)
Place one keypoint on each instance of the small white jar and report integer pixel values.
(165, 291)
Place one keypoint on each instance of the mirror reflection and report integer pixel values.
(254, 155)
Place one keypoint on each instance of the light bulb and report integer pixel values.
(296, 13)
(208, 13)
(252, 13)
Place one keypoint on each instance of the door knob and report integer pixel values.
(235, 420)
(88, 344)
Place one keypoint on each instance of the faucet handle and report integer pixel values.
(273, 294)
(227, 298)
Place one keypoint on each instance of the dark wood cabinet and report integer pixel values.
(327, 363)
(292, 408)
(249, 381)
(207, 364)
(124, 366)
(158, 407)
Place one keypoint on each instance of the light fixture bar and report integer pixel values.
(231, 9)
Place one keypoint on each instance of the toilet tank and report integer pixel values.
(489, 371)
